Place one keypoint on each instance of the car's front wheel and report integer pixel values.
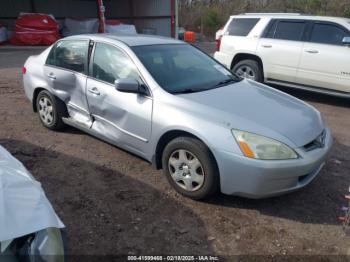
(190, 168)
(249, 69)
(50, 110)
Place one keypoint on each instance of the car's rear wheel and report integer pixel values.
(190, 168)
(50, 110)
(249, 69)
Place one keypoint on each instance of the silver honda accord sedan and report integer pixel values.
(176, 107)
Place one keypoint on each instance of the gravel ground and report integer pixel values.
(115, 203)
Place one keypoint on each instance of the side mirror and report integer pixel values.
(346, 40)
(129, 85)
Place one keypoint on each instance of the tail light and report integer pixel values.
(24, 70)
(218, 43)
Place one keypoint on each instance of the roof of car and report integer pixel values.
(130, 39)
(295, 16)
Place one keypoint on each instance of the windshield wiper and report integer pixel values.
(188, 91)
(226, 82)
(191, 90)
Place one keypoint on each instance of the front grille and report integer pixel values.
(318, 142)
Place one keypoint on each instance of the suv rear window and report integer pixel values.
(241, 26)
(286, 30)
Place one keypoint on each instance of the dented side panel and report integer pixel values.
(118, 116)
(70, 87)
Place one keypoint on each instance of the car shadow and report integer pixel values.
(315, 97)
(318, 203)
(109, 213)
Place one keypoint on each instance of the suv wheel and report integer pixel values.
(248, 69)
(190, 168)
(50, 110)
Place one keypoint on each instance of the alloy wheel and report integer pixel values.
(246, 72)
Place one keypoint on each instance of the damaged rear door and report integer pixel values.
(122, 118)
(66, 73)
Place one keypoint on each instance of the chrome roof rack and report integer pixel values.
(296, 14)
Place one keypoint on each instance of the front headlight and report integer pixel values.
(260, 147)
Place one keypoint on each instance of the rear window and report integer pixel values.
(241, 26)
(286, 30)
(69, 54)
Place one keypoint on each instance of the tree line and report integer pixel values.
(207, 16)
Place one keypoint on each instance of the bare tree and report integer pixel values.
(194, 13)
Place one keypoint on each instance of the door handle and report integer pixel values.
(51, 75)
(266, 46)
(311, 51)
(94, 91)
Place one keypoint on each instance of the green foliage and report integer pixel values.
(347, 13)
(211, 21)
(212, 18)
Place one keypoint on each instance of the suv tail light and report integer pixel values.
(24, 70)
(218, 43)
(218, 37)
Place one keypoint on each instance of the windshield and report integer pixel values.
(182, 68)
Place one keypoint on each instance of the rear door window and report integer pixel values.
(323, 33)
(241, 26)
(69, 54)
(270, 29)
(286, 30)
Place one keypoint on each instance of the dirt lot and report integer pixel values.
(115, 203)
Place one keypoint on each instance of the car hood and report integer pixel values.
(24, 208)
(260, 109)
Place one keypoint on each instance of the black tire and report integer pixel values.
(253, 65)
(59, 110)
(207, 161)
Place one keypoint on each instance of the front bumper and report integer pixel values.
(253, 178)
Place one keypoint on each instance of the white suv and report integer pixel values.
(307, 52)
